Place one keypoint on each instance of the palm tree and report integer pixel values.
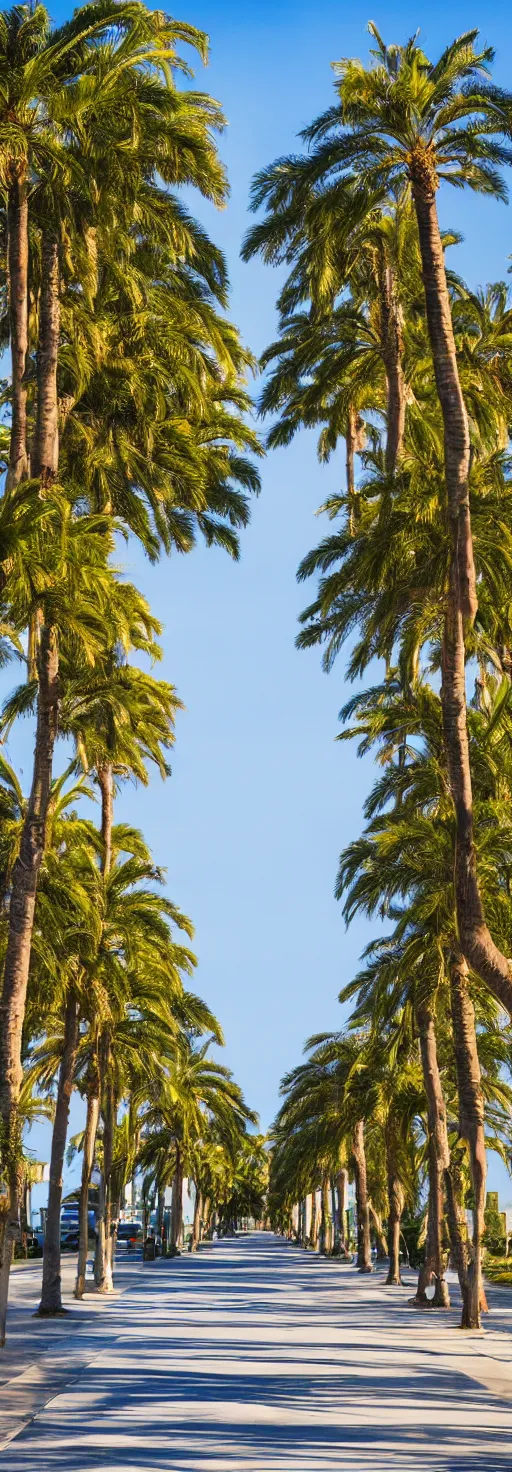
(121, 718)
(407, 855)
(39, 66)
(135, 940)
(401, 126)
(359, 266)
(198, 1095)
(321, 1122)
(68, 580)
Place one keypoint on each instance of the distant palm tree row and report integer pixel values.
(382, 346)
(125, 414)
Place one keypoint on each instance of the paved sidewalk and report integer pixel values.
(255, 1355)
(41, 1355)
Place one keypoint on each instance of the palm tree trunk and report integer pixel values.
(325, 1219)
(196, 1225)
(380, 1235)
(459, 1255)
(19, 944)
(205, 1218)
(160, 1229)
(471, 1107)
(396, 1206)
(109, 1125)
(91, 1129)
(364, 1255)
(439, 1160)
(106, 785)
(177, 1202)
(103, 1264)
(335, 1231)
(392, 352)
(103, 1276)
(313, 1227)
(17, 262)
(51, 1295)
(342, 1180)
(457, 447)
(433, 1265)
(350, 451)
(477, 944)
(46, 441)
(26, 869)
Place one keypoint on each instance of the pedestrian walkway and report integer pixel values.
(255, 1355)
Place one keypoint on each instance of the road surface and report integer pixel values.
(255, 1355)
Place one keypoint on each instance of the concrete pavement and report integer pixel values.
(255, 1355)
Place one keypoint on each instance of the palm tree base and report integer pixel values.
(51, 1313)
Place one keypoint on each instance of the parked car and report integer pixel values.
(129, 1235)
(69, 1240)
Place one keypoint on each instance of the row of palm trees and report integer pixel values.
(125, 417)
(382, 346)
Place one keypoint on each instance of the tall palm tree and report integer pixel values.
(406, 855)
(402, 126)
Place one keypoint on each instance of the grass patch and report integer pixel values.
(499, 1270)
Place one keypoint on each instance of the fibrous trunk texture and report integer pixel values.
(106, 786)
(46, 441)
(364, 1254)
(396, 1202)
(438, 1161)
(19, 942)
(392, 351)
(471, 1123)
(477, 944)
(455, 420)
(91, 1130)
(313, 1228)
(103, 1275)
(342, 1184)
(325, 1219)
(355, 440)
(335, 1236)
(350, 447)
(196, 1225)
(27, 866)
(160, 1213)
(109, 1125)
(103, 1259)
(177, 1202)
(380, 1235)
(17, 258)
(51, 1294)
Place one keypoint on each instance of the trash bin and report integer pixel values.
(149, 1250)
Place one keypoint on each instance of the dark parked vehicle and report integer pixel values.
(129, 1235)
(69, 1240)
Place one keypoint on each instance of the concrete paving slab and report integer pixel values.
(256, 1357)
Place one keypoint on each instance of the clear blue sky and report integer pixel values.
(262, 799)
